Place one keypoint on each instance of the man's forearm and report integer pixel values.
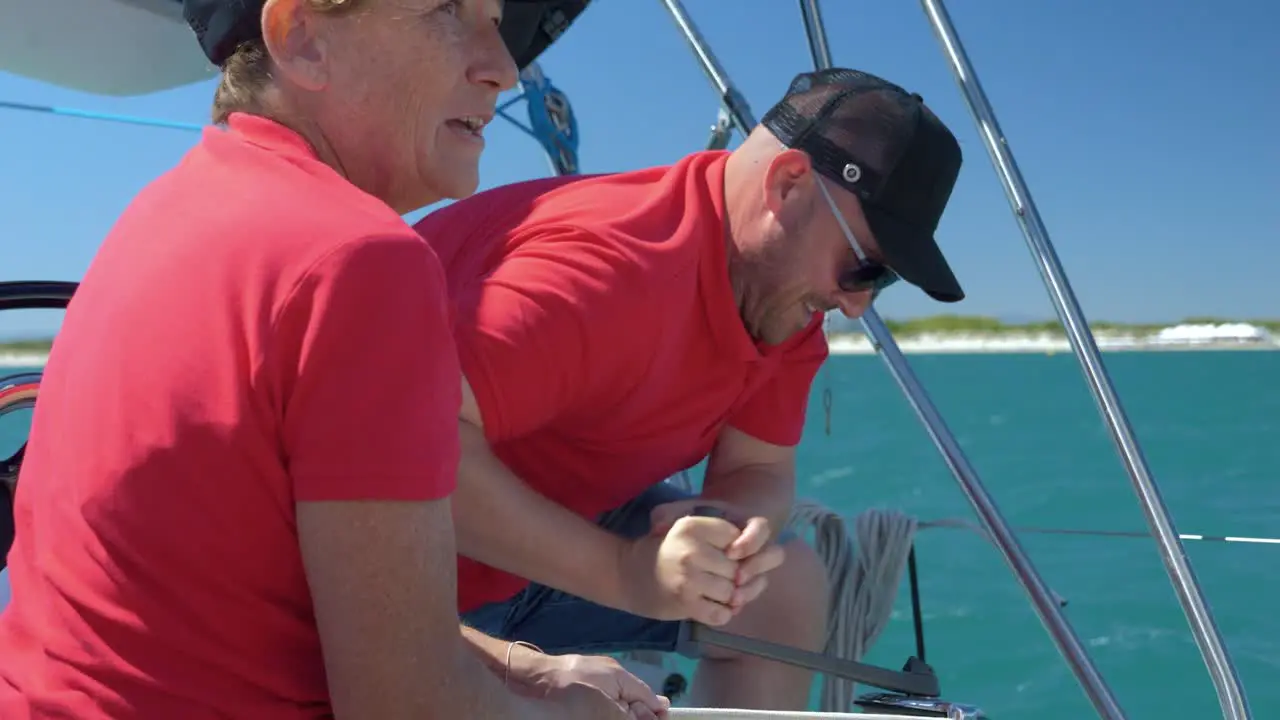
(504, 523)
(760, 490)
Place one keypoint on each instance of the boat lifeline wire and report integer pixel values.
(171, 124)
(960, 523)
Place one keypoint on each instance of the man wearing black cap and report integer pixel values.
(614, 330)
(235, 501)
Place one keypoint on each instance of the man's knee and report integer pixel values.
(799, 590)
(805, 577)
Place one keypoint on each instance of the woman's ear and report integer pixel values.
(294, 39)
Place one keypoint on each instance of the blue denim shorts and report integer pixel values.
(562, 623)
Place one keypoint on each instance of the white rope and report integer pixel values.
(864, 584)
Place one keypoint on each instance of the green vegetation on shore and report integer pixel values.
(26, 347)
(933, 325)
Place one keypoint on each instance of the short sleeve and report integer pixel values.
(776, 412)
(545, 331)
(370, 375)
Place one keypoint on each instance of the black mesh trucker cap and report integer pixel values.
(221, 25)
(881, 143)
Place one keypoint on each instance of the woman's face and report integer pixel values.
(408, 86)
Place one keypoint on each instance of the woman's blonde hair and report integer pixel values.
(247, 73)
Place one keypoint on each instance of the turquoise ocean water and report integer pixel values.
(1209, 423)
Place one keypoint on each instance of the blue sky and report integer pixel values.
(1148, 132)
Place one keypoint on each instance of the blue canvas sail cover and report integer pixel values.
(132, 47)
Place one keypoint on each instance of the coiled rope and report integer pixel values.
(864, 579)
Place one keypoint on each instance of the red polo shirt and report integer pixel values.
(253, 332)
(597, 327)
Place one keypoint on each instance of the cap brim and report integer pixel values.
(529, 27)
(915, 256)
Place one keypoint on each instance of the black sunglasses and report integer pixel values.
(867, 276)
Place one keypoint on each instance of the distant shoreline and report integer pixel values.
(958, 334)
(1001, 344)
(22, 360)
(961, 335)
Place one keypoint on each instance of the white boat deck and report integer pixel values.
(724, 714)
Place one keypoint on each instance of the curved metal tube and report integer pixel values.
(1043, 599)
(23, 295)
(36, 294)
(1231, 695)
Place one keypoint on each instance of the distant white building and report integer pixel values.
(1206, 333)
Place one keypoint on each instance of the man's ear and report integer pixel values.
(788, 181)
(294, 36)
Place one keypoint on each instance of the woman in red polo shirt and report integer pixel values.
(235, 500)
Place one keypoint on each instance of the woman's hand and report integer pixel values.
(536, 674)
